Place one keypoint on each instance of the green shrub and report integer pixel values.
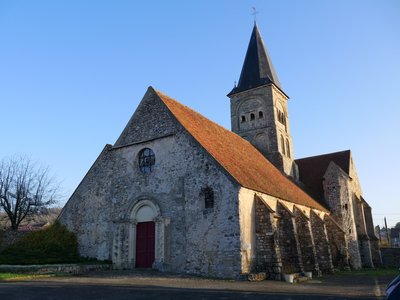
(54, 244)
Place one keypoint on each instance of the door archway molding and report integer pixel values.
(146, 210)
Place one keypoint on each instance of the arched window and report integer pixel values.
(252, 117)
(281, 117)
(147, 159)
(208, 195)
(287, 148)
(260, 115)
(243, 119)
(283, 145)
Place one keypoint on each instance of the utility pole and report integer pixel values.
(387, 233)
(379, 235)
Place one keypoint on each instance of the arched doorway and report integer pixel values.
(145, 244)
(144, 239)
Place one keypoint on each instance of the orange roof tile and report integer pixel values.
(238, 157)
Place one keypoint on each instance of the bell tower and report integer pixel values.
(259, 110)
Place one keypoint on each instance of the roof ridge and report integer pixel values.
(321, 155)
(243, 162)
(161, 94)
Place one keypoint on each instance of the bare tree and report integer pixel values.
(24, 189)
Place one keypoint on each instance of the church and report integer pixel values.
(178, 192)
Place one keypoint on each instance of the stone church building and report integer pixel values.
(177, 192)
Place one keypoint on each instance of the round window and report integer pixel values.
(147, 160)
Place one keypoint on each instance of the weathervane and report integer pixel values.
(255, 12)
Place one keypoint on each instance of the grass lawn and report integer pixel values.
(14, 276)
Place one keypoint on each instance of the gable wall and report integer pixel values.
(84, 212)
(196, 240)
(338, 196)
(342, 193)
(355, 182)
(150, 120)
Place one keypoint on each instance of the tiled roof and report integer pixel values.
(312, 170)
(238, 157)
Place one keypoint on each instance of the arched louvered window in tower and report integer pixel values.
(283, 145)
(287, 148)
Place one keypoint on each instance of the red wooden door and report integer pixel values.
(145, 244)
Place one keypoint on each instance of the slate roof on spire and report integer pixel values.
(257, 67)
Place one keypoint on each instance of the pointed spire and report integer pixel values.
(257, 68)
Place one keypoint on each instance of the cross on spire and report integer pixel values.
(255, 12)
(257, 68)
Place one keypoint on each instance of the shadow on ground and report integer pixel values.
(64, 291)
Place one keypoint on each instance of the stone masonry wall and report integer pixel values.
(339, 197)
(374, 242)
(289, 242)
(376, 253)
(279, 236)
(150, 115)
(264, 133)
(268, 256)
(364, 245)
(85, 213)
(195, 239)
(306, 241)
(362, 224)
(254, 101)
(321, 243)
(338, 245)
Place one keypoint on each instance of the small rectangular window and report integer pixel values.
(208, 197)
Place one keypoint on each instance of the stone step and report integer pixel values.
(296, 277)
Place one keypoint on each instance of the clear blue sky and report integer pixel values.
(73, 72)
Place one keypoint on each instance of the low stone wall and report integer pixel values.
(390, 257)
(74, 269)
